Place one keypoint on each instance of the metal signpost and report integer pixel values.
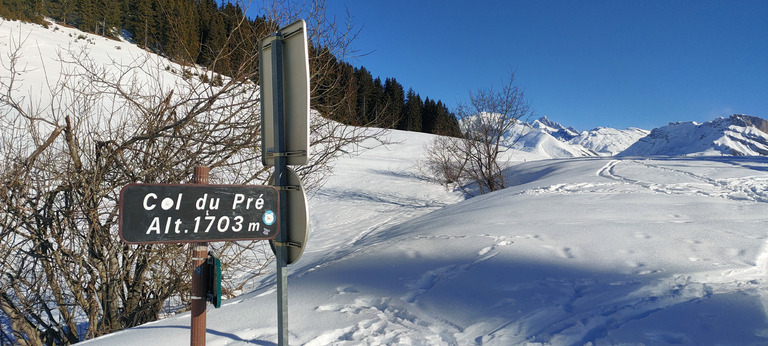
(199, 213)
(284, 81)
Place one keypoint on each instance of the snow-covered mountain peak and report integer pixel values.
(737, 135)
(554, 128)
(551, 139)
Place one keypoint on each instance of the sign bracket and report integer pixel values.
(288, 188)
(296, 153)
(287, 244)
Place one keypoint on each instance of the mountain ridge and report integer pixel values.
(551, 139)
(736, 135)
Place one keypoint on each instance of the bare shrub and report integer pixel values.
(487, 124)
(65, 153)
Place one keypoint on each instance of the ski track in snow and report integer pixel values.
(752, 188)
(565, 326)
(575, 317)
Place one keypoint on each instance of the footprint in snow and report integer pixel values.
(564, 252)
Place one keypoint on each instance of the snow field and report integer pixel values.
(597, 251)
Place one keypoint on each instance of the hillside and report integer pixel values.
(583, 250)
(579, 251)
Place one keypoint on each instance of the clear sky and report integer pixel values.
(617, 63)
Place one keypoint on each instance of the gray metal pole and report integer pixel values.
(281, 180)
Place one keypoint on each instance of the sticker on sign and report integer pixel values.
(166, 213)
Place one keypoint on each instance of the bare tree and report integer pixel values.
(487, 123)
(67, 151)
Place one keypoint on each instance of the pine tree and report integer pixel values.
(4, 10)
(348, 114)
(241, 43)
(378, 116)
(109, 16)
(180, 39)
(394, 98)
(39, 8)
(445, 122)
(86, 21)
(141, 22)
(428, 115)
(366, 95)
(212, 35)
(61, 10)
(412, 112)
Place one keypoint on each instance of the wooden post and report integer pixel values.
(199, 279)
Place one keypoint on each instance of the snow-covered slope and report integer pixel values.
(737, 135)
(608, 141)
(585, 250)
(46, 57)
(550, 139)
(578, 251)
(555, 129)
(545, 145)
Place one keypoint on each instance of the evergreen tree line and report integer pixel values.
(186, 31)
(387, 104)
(196, 32)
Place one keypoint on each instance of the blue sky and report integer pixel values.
(582, 63)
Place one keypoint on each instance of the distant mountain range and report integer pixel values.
(550, 139)
(737, 135)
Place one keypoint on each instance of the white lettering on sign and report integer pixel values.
(167, 216)
(222, 224)
(213, 203)
(166, 204)
(146, 199)
(203, 224)
(258, 203)
(156, 226)
(203, 203)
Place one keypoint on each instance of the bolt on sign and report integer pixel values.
(188, 213)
